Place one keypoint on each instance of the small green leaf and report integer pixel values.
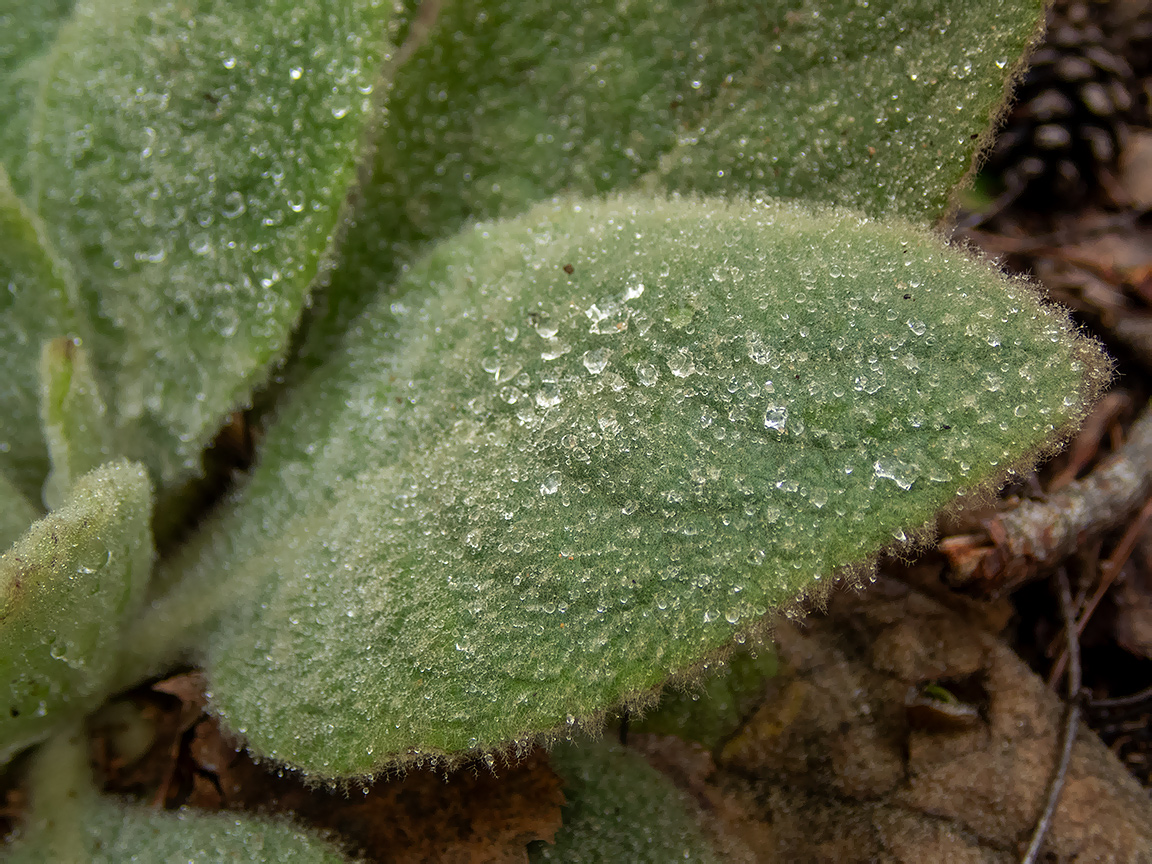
(192, 160)
(27, 30)
(71, 824)
(73, 415)
(66, 588)
(16, 512)
(609, 437)
(621, 810)
(875, 105)
(712, 712)
(35, 307)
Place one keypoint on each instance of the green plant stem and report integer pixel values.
(61, 786)
(167, 629)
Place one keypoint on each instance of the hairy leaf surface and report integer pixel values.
(111, 832)
(620, 809)
(27, 30)
(192, 159)
(66, 587)
(37, 306)
(609, 438)
(874, 105)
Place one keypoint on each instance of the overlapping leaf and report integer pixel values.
(66, 588)
(70, 823)
(27, 30)
(16, 512)
(712, 713)
(620, 810)
(613, 436)
(111, 832)
(192, 161)
(875, 105)
(37, 306)
(73, 415)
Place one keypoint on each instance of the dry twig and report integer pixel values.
(1071, 718)
(1038, 535)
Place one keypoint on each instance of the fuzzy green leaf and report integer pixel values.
(111, 832)
(875, 105)
(193, 159)
(553, 490)
(16, 512)
(27, 30)
(35, 307)
(66, 587)
(71, 824)
(619, 810)
(73, 415)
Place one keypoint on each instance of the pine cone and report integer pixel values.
(1072, 111)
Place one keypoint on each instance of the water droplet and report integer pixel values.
(681, 365)
(775, 417)
(758, 352)
(295, 72)
(233, 205)
(555, 349)
(546, 329)
(903, 474)
(549, 396)
(917, 327)
(596, 360)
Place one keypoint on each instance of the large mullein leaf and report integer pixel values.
(600, 442)
(620, 810)
(192, 160)
(875, 105)
(66, 588)
(37, 306)
(27, 30)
